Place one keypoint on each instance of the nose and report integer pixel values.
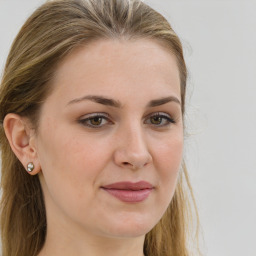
(132, 150)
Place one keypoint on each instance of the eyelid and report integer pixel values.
(82, 120)
(167, 116)
(166, 120)
(159, 114)
(96, 114)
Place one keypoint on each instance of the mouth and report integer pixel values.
(129, 192)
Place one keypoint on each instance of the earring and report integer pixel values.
(30, 167)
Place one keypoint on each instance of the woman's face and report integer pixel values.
(110, 139)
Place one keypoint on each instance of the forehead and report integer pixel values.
(113, 65)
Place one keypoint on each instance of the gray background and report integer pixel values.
(219, 39)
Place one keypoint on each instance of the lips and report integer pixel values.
(129, 192)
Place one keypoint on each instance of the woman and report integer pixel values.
(91, 104)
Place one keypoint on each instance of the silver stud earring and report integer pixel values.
(30, 167)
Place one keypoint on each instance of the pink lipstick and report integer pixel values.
(129, 192)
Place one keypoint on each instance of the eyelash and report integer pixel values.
(168, 119)
(103, 116)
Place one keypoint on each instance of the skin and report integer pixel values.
(75, 159)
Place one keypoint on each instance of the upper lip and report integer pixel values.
(127, 185)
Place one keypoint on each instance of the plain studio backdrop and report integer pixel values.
(219, 39)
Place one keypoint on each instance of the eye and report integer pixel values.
(159, 120)
(96, 120)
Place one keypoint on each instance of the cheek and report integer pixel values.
(170, 153)
(70, 167)
(168, 162)
(71, 156)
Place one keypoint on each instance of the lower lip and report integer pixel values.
(130, 196)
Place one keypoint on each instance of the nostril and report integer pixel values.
(132, 166)
(129, 165)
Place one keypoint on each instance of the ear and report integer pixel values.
(21, 138)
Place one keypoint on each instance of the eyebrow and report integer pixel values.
(162, 101)
(98, 99)
(114, 103)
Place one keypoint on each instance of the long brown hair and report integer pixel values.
(51, 32)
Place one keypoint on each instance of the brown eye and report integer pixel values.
(96, 121)
(156, 120)
(159, 120)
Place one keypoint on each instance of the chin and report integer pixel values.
(131, 228)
